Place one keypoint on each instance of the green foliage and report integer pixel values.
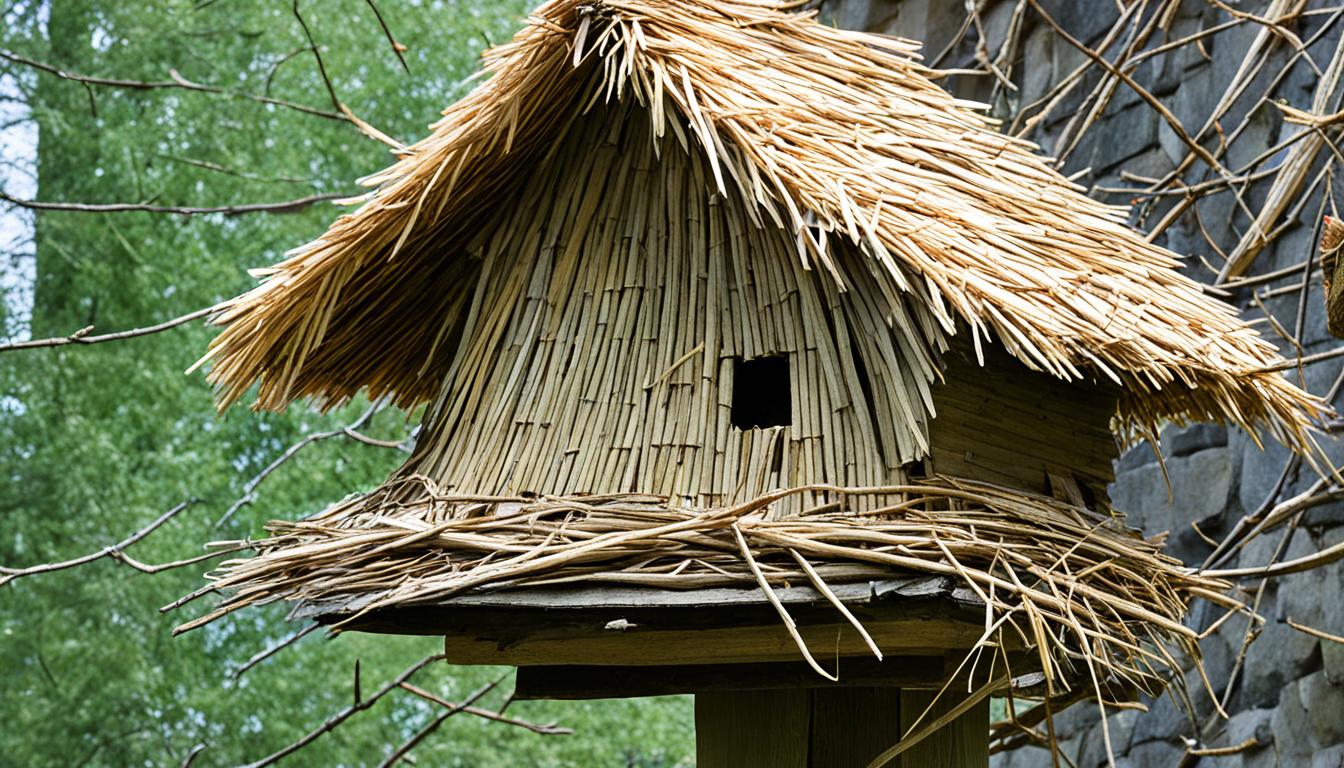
(97, 441)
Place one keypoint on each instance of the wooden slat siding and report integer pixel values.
(1006, 424)
(616, 266)
(962, 743)
(753, 729)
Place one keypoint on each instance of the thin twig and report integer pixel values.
(193, 754)
(270, 651)
(397, 47)
(545, 729)
(335, 720)
(177, 81)
(10, 574)
(317, 54)
(350, 430)
(286, 206)
(434, 724)
(1316, 633)
(82, 335)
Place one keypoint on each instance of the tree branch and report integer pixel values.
(177, 81)
(546, 729)
(267, 653)
(287, 206)
(335, 720)
(317, 54)
(82, 335)
(433, 725)
(114, 551)
(397, 48)
(350, 430)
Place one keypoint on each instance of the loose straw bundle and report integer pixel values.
(1077, 586)
(836, 137)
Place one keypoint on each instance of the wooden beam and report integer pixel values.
(594, 682)
(732, 645)
(648, 626)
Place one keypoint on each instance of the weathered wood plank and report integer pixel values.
(851, 726)
(752, 729)
(730, 645)
(594, 682)
(1006, 424)
(962, 743)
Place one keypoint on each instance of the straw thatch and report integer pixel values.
(838, 138)
(1075, 585)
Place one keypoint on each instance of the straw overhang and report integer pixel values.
(1076, 585)
(841, 138)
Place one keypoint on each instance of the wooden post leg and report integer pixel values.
(752, 729)
(831, 728)
(962, 743)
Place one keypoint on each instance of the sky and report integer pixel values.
(18, 178)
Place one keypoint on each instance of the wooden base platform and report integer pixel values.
(758, 703)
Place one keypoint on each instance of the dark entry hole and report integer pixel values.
(761, 393)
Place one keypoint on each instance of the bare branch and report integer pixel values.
(350, 430)
(335, 720)
(546, 729)
(82, 335)
(433, 725)
(217, 168)
(193, 754)
(287, 206)
(177, 82)
(10, 574)
(317, 54)
(267, 653)
(1124, 77)
(397, 47)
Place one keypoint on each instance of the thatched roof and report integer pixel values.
(1076, 585)
(840, 138)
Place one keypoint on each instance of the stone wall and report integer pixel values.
(1285, 690)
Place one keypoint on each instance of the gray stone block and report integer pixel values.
(1156, 754)
(1165, 720)
(1037, 71)
(1259, 471)
(1195, 102)
(1324, 704)
(1085, 21)
(1249, 724)
(1202, 485)
(1332, 661)
(1117, 137)
(1330, 757)
(1277, 657)
(1137, 456)
(1313, 598)
(1292, 729)
(1183, 441)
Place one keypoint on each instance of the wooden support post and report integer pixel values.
(962, 742)
(831, 728)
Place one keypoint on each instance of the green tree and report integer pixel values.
(97, 441)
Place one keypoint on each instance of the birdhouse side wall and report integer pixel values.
(1006, 424)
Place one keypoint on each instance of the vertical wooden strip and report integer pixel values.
(962, 743)
(851, 726)
(752, 729)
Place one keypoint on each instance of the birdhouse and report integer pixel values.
(755, 366)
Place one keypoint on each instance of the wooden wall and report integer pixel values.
(1007, 424)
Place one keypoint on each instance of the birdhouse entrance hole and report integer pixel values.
(761, 395)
